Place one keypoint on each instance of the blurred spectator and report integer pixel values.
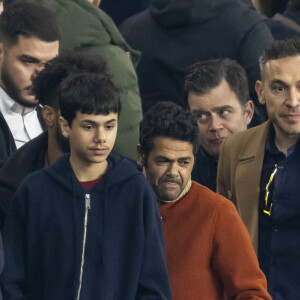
(287, 24)
(175, 34)
(278, 6)
(263, 6)
(119, 10)
(270, 7)
(6, 3)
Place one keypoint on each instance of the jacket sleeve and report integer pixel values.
(14, 242)
(234, 259)
(154, 280)
(125, 79)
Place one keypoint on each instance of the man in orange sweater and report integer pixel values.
(209, 251)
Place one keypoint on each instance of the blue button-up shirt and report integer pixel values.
(279, 233)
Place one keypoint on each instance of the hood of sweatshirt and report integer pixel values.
(178, 13)
(120, 170)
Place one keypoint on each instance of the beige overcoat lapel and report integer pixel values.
(247, 181)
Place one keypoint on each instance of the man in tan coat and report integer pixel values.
(259, 171)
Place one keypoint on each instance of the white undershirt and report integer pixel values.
(23, 127)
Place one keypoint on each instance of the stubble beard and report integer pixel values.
(11, 89)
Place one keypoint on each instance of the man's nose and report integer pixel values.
(100, 135)
(293, 98)
(37, 69)
(215, 123)
(173, 169)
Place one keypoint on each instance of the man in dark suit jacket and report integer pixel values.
(218, 97)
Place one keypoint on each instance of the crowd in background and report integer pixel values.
(149, 149)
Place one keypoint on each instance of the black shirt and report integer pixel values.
(205, 169)
(279, 232)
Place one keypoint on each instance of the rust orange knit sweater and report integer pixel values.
(209, 250)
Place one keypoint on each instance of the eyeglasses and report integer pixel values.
(268, 206)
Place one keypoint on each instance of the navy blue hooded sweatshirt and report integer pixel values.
(62, 242)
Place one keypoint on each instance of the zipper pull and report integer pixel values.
(87, 201)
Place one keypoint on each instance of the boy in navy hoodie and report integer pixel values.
(88, 226)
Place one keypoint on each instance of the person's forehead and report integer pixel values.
(282, 67)
(36, 48)
(171, 148)
(96, 118)
(215, 99)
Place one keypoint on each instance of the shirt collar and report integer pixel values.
(7, 104)
(271, 146)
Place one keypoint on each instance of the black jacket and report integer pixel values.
(7, 143)
(175, 34)
(27, 159)
(119, 10)
(205, 169)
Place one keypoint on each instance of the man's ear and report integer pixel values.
(49, 115)
(249, 111)
(141, 156)
(64, 126)
(260, 92)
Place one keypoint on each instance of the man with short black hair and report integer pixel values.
(29, 37)
(90, 220)
(209, 252)
(259, 171)
(218, 96)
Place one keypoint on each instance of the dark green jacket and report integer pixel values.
(86, 27)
